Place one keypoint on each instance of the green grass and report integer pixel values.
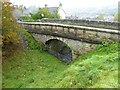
(35, 68)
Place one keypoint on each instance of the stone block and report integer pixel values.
(66, 30)
(115, 37)
(33, 26)
(80, 33)
(48, 27)
(101, 36)
(90, 35)
(26, 26)
(56, 32)
(60, 29)
(88, 47)
(37, 27)
(42, 28)
(22, 25)
(72, 30)
(54, 28)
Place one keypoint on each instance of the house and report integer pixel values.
(61, 12)
(31, 9)
(18, 12)
(34, 10)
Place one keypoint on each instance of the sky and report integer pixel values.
(66, 3)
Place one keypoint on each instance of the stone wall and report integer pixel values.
(101, 24)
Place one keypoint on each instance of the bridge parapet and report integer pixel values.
(83, 22)
(81, 33)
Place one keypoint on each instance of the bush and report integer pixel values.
(31, 42)
(10, 28)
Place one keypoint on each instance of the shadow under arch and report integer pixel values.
(59, 49)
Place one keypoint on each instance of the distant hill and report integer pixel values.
(91, 12)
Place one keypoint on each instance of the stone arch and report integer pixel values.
(76, 47)
(59, 49)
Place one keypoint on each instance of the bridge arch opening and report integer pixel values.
(59, 49)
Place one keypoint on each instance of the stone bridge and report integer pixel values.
(68, 41)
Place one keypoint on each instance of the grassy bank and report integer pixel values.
(35, 68)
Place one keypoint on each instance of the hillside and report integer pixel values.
(91, 12)
(35, 68)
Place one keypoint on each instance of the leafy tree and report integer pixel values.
(45, 13)
(21, 8)
(60, 4)
(101, 16)
(10, 27)
(0, 21)
(27, 17)
(42, 13)
(46, 5)
(117, 16)
(18, 12)
(55, 14)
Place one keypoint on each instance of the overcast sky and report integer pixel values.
(66, 3)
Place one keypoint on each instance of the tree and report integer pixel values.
(45, 13)
(18, 11)
(42, 13)
(10, 28)
(101, 16)
(46, 5)
(117, 16)
(0, 21)
(55, 14)
(60, 4)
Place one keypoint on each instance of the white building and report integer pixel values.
(61, 12)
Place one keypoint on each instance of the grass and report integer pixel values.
(35, 68)
(31, 66)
